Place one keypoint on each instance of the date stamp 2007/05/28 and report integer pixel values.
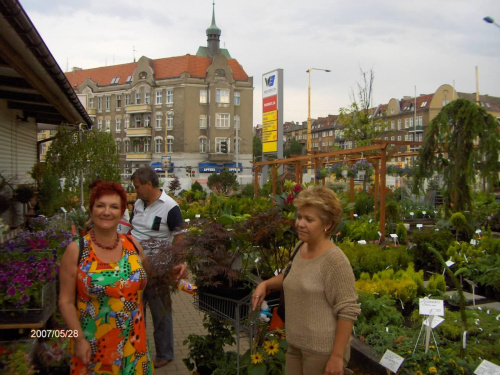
(49, 333)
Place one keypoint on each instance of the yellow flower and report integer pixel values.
(271, 347)
(432, 347)
(256, 358)
(419, 372)
(280, 333)
(433, 370)
(435, 359)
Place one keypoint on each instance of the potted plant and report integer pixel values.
(205, 352)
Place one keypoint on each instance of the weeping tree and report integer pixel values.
(461, 142)
(91, 154)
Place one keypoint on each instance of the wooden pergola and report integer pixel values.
(377, 154)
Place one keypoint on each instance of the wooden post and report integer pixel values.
(376, 193)
(383, 171)
(273, 179)
(351, 188)
(256, 181)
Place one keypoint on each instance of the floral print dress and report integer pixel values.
(111, 313)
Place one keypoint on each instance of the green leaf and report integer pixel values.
(226, 219)
(258, 369)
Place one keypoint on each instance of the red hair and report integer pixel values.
(108, 188)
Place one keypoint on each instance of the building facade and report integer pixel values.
(177, 114)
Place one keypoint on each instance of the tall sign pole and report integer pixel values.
(272, 118)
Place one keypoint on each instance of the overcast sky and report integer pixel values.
(407, 44)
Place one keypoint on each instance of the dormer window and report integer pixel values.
(129, 78)
(115, 80)
(424, 103)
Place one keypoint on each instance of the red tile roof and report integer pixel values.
(169, 67)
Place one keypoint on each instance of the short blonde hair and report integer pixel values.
(327, 203)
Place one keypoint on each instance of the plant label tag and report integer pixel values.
(391, 361)
(487, 368)
(362, 242)
(393, 235)
(478, 231)
(428, 306)
(424, 212)
(450, 263)
(355, 215)
(379, 234)
(420, 226)
(437, 320)
(412, 213)
(473, 242)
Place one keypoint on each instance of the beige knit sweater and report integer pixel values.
(317, 292)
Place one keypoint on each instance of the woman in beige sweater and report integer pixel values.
(321, 298)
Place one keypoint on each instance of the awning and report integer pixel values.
(209, 167)
(231, 167)
(159, 168)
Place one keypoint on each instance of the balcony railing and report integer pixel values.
(138, 156)
(138, 108)
(138, 132)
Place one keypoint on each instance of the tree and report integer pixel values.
(223, 182)
(462, 140)
(358, 121)
(257, 147)
(174, 185)
(90, 153)
(295, 148)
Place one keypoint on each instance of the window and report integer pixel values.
(115, 80)
(399, 124)
(170, 120)
(406, 123)
(399, 137)
(158, 120)
(99, 124)
(411, 137)
(170, 144)
(392, 138)
(137, 98)
(424, 103)
(118, 124)
(147, 145)
(222, 96)
(44, 148)
(411, 122)
(170, 96)
(203, 96)
(236, 122)
(420, 120)
(129, 78)
(108, 124)
(203, 121)
(147, 98)
(127, 122)
(218, 142)
(147, 121)
(108, 102)
(236, 98)
(159, 97)
(393, 124)
(91, 103)
(118, 144)
(137, 121)
(126, 145)
(127, 99)
(118, 101)
(222, 120)
(158, 143)
(203, 145)
(99, 103)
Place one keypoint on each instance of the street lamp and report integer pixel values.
(491, 20)
(309, 107)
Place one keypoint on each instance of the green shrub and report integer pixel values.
(424, 238)
(402, 233)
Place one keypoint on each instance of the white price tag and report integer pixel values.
(428, 306)
(420, 226)
(487, 368)
(391, 361)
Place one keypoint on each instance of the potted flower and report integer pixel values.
(267, 356)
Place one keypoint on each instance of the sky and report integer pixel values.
(411, 46)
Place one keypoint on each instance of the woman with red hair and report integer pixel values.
(106, 275)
